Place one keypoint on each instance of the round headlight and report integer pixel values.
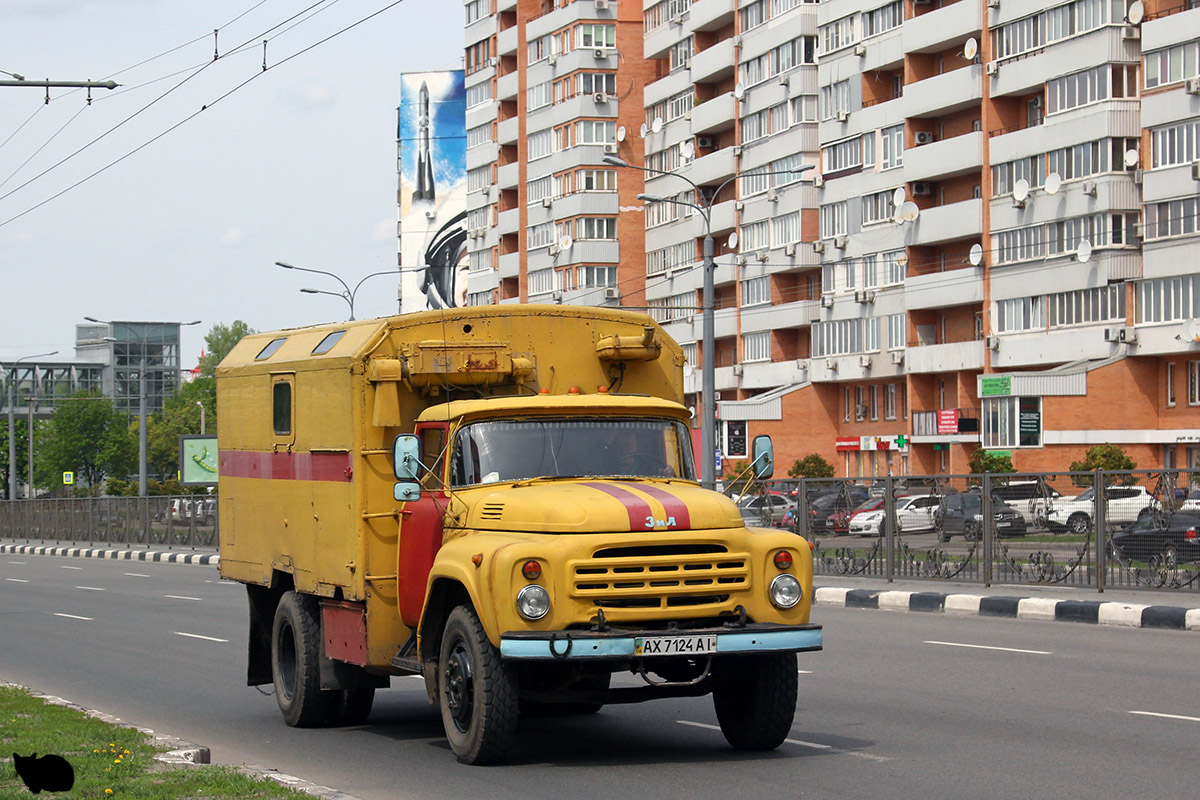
(786, 591)
(533, 602)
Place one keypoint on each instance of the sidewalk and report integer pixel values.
(124, 552)
(1119, 607)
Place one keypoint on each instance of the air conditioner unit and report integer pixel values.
(1112, 334)
(922, 2)
(860, 49)
(742, 261)
(687, 115)
(553, 59)
(602, 5)
(772, 196)
(843, 115)
(1089, 188)
(1196, 170)
(1128, 335)
(785, 81)
(864, 362)
(761, 255)
(493, 61)
(992, 343)
(922, 188)
(600, 97)
(677, 19)
(860, 412)
(789, 250)
(738, 205)
(737, 369)
(831, 365)
(839, 242)
(818, 181)
(610, 149)
(687, 63)
(546, 202)
(897, 357)
(819, 246)
(1137, 176)
(556, 296)
(1192, 86)
(737, 149)
(552, 250)
(1130, 32)
(612, 293)
(737, 41)
(864, 296)
(826, 301)
(704, 141)
(922, 137)
(992, 68)
(600, 52)
(993, 3)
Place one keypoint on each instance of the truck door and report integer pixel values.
(421, 525)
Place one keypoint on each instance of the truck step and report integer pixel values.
(409, 665)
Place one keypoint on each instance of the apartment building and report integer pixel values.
(997, 249)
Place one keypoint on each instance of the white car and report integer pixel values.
(1123, 507)
(914, 514)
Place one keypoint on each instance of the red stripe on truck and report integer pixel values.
(671, 504)
(285, 466)
(638, 509)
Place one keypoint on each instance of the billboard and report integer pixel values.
(197, 460)
(432, 141)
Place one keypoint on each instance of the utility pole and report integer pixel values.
(19, 80)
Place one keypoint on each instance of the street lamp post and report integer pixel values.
(346, 294)
(708, 418)
(142, 390)
(12, 443)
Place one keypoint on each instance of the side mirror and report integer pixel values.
(764, 457)
(406, 463)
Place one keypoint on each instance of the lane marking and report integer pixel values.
(797, 742)
(137, 574)
(198, 636)
(17, 580)
(988, 647)
(804, 672)
(66, 567)
(72, 616)
(16, 562)
(181, 597)
(1165, 716)
(91, 588)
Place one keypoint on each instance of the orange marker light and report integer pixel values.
(783, 559)
(573, 390)
(477, 559)
(532, 570)
(602, 389)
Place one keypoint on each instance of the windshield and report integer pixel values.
(566, 447)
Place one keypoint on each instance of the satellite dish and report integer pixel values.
(1053, 183)
(1132, 157)
(656, 126)
(898, 197)
(1136, 13)
(687, 149)
(1084, 253)
(739, 91)
(1020, 190)
(971, 48)
(896, 218)
(565, 243)
(644, 129)
(621, 133)
(902, 259)
(733, 240)
(976, 255)
(909, 211)
(1194, 331)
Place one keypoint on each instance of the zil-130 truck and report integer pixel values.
(504, 501)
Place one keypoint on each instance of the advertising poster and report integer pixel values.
(432, 140)
(197, 460)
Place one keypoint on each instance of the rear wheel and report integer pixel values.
(1079, 524)
(351, 706)
(477, 692)
(295, 662)
(757, 702)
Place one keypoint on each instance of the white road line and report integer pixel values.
(62, 566)
(91, 588)
(1165, 716)
(797, 742)
(988, 647)
(137, 574)
(17, 580)
(198, 636)
(181, 597)
(804, 672)
(16, 562)
(72, 616)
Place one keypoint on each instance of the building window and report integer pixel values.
(892, 147)
(596, 35)
(756, 291)
(1170, 384)
(1012, 422)
(756, 346)
(1194, 383)
(889, 401)
(833, 219)
(874, 393)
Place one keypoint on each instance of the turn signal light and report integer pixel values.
(532, 570)
(783, 559)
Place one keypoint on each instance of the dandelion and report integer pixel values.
(108, 791)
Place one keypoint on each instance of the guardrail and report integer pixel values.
(189, 521)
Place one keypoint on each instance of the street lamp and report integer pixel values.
(12, 442)
(142, 389)
(346, 294)
(708, 416)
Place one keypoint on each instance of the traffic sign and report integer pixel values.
(68, 478)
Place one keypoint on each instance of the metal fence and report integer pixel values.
(190, 521)
(1141, 531)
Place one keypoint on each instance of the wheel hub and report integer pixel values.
(458, 686)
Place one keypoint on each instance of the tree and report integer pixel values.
(220, 340)
(982, 462)
(180, 416)
(87, 436)
(811, 466)
(21, 443)
(1106, 457)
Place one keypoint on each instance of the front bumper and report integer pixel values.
(578, 645)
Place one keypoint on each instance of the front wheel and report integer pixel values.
(757, 702)
(477, 692)
(1079, 524)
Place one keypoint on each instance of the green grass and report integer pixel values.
(109, 761)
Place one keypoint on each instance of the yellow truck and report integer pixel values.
(504, 501)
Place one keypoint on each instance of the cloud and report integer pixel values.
(234, 235)
(385, 230)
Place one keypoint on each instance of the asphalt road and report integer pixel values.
(897, 706)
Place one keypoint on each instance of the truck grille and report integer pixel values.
(660, 576)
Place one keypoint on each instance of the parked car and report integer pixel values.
(1123, 506)
(962, 514)
(764, 509)
(823, 508)
(1030, 499)
(1171, 541)
(839, 521)
(914, 514)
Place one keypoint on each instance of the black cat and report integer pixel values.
(51, 773)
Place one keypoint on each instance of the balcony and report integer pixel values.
(506, 42)
(946, 425)
(718, 114)
(711, 15)
(508, 175)
(947, 223)
(956, 156)
(510, 265)
(508, 131)
(951, 357)
(956, 287)
(942, 94)
(936, 30)
(507, 86)
(713, 63)
(508, 221)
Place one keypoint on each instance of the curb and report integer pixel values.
(169, 557)
(1125, 615)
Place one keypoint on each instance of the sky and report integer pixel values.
(171, 197)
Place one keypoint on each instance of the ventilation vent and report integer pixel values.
(493, 511)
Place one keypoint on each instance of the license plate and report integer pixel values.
(1006, 524)
(674, 645)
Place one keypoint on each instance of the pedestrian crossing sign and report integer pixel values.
(68, 478)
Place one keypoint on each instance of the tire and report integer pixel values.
(296, 662)
(1170, 556)
(476, 691)
(970, 531)
(757, 702)
(1079, 524)
(351, 706)
(942, 535)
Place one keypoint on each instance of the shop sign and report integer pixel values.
(995, 386)
(847, 443)
(947, 420)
